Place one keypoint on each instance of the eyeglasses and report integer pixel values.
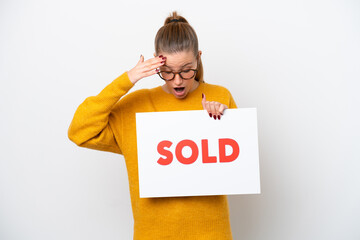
(186, 74)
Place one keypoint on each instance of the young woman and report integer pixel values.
(107, 122)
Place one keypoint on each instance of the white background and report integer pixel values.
(297, 62)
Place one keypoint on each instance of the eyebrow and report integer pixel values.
(181, 66)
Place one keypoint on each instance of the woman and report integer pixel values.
(104, 123)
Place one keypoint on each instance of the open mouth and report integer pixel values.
(179, 89)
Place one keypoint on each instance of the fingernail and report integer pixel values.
(202, 95)
(162, 62)
(160, 56)
(215, 117)
(164, 58)
(210, 114)
(157, 70)
(221, 113)
(219, 117)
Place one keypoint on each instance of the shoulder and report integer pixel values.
(131, 101)
(135, 95)
(219, 94)
(137, 100)
(215, 89)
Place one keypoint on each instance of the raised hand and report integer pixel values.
(146, 68)
(215, 109)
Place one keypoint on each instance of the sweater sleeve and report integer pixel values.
(90, 125)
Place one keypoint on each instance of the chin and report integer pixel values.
(180, 97)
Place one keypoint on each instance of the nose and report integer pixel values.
(178, 80)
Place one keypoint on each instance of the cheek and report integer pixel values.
(190, 83)
(169, 84)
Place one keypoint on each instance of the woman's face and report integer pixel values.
(177, 62)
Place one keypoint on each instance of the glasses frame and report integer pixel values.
(175, 73)
(195, 71)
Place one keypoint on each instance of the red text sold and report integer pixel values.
(223, 142)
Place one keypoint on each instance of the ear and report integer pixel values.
(154, 54)
(199, 54)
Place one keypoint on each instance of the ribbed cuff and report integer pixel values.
(123, 83)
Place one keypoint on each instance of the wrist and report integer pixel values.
(132, 77)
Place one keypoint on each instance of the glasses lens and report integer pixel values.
(167, 75)
(187, 74)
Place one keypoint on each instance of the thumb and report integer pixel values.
(203, 101)
(141, 59)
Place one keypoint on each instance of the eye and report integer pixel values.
(186, 71)
(166, 74)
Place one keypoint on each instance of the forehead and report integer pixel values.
(179, 59)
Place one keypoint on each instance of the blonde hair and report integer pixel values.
(176, 36)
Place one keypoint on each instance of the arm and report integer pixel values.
(90, 125)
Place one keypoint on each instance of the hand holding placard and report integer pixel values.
(215, 109)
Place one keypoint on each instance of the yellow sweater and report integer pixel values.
(104, 123)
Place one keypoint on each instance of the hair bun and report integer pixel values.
(174, 20)
(174, 17)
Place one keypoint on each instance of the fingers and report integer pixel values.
(145, 68)
(215, 109)
(155, 62)
(222, 109)
(150, 66)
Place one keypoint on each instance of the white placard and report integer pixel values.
(187, 153)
